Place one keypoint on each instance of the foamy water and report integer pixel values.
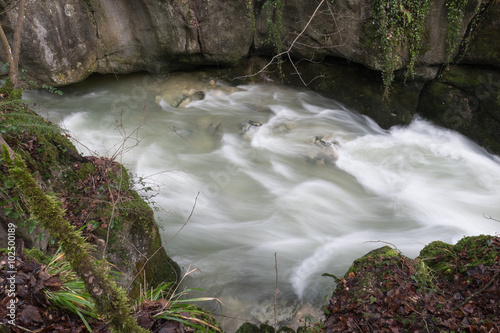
(274, 190)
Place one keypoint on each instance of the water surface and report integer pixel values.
(243, 201)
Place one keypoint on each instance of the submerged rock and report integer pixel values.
(327, 153)
(249, 126)
(188, 97)
(178, 90)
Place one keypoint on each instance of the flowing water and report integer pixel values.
(309, 184)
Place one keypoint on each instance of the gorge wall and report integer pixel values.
(341, 51)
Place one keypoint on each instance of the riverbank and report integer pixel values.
(95, 196)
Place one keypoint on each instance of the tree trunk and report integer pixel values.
(16, 47)
(6, 46)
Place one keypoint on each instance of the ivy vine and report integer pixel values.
(250, 8)
(401, 26)
(455, 16)
(274, 9)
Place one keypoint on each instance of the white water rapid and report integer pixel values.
(278, 187)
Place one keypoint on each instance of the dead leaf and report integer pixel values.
(31, 313)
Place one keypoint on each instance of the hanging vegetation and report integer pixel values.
(401, 25)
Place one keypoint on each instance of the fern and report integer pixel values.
(23, 120)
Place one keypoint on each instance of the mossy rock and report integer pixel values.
(36, 255)
(264, 328)
(286, 329)
(478, 251)
(448, 260)
(368, 270)
(134, 244)
(437, 255)
(481, 49)
(248, 327)
(137, 246)
(385, 252)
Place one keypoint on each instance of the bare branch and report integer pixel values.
(276, 292)
(490, 218)
(292, 45)
(178, 231)
(187, 220)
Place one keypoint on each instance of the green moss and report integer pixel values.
(401, 26)
(248, 328)
(368, 259)
(9, 92)
(264, 328)
(431, 250)
(111, 301)
(448, 260)
(204, 316)
(476, 250)
(36, 255)
(72, 177)
(308, 329)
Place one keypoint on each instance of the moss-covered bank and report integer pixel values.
(95, 194)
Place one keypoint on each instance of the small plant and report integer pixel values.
(455, 15)
(274, 10)
(176, 307)
(72, 296)
(250, 7)
(401, 25)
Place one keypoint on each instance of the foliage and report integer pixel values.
(22, 120)
(111, 301)
(400, 27)
(250, 7)
(16, 117)
(72, 296)
(7, 91)
(455, 15)
(274, 10)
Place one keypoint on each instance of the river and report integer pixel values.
(304, 188)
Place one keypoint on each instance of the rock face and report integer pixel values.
(63, 43)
